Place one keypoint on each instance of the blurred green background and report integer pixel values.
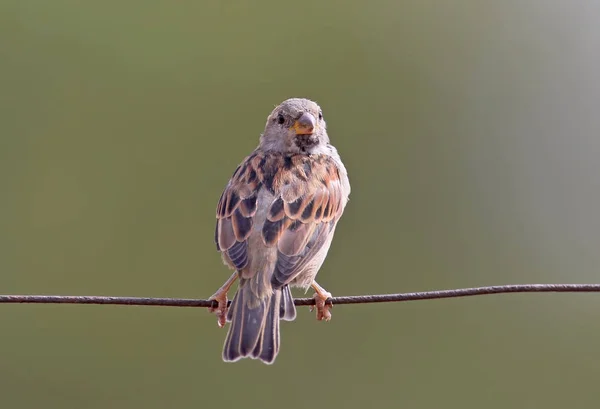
(471, 133)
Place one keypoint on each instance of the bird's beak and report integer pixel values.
(305, 125)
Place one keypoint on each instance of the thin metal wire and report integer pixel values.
(359, 299)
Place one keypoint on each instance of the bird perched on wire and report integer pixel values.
(275, 222)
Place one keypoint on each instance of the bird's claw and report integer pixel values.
(222, 303)
(221, 309)
(322, 307)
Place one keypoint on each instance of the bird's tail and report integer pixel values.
(254, 329)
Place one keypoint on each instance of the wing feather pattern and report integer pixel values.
(308, 201)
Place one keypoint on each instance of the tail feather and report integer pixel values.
(288, 309)
(232, 348)
(267, 346)
(246, 324)
(254, 329)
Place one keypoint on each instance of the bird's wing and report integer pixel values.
(308, 199)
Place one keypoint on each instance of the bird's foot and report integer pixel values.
(222, 302)
(321, 305)
(221, 309)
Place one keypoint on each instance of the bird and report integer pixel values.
(275, 222)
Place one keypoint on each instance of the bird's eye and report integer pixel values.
(280, 119)
(320, 115)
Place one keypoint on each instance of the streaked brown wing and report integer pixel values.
(308, 205)
(308, 201)
(235, 212)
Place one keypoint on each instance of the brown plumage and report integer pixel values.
(275, 221)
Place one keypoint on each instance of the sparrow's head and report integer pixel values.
(295, 126)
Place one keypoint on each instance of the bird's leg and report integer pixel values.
(221, 297)
(320, 297)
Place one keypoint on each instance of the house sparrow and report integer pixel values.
(275, 222)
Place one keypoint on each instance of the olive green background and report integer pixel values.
(470, 130)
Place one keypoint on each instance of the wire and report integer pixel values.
(359, 299)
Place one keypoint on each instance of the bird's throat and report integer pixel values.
(306, 142)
